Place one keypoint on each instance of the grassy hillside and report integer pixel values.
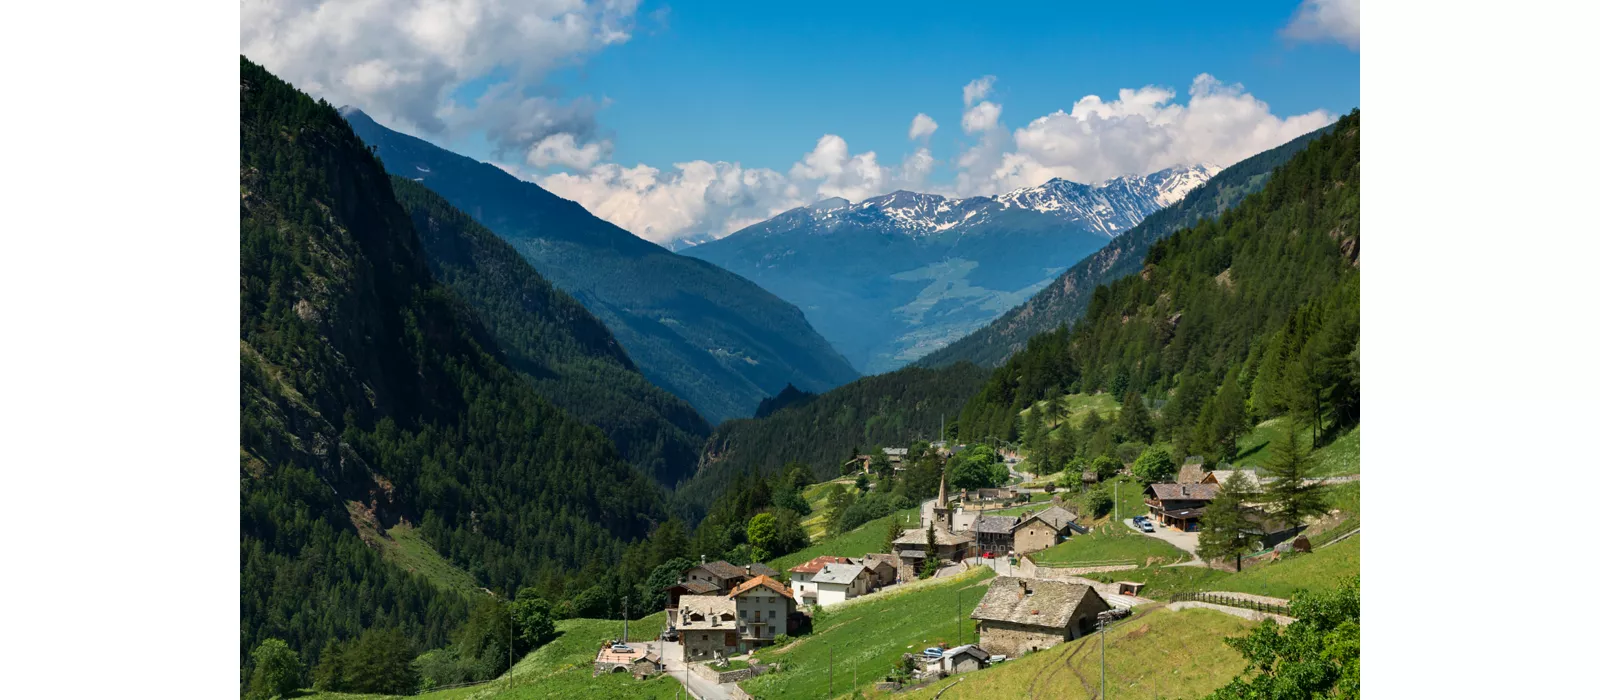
(1318, 571)
(863, 540)
(867, 637)
(1112, 543)
(1338, 458)
(1155, 654)
(562, 668)
(403, 546)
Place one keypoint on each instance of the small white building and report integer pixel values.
(837, 583)
(800, 578)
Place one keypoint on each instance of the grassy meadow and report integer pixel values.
(867, 636)
(1111, 543)
(1158, 653)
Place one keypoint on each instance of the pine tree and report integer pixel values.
(1032, 427)
(1228, 422)
(930, 563)
(892, 533)
(1294, 490)
(1222, 529)
(1134, 423)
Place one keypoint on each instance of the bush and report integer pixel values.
(1098, 501)
(1129, 451)
(1106, 467)
(277, 670)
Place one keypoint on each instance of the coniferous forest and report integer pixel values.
(368, 390)
(1262, 301)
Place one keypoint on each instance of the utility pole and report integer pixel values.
(830, 670)
(1116, 500)
(1103, 621)
(624, 619)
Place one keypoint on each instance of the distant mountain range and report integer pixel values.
(1067, 296)
(707, 335)
(892, 278)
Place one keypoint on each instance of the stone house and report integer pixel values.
(684, 587)
(912, 547)
(1042, 530)
(708, 627)
(992, 534)
(724, 575)
(763, 605)
(964, 658)
(1022, 615)
(885, 569)
(800, 578)
(837, 583)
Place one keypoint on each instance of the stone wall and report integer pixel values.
(715, 676)
(1027, 569)
(1033, 537)
(1014, 640)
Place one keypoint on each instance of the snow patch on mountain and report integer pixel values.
(1108, 208)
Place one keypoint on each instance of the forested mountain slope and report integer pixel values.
(1065, 299)
(368, 390)
(705, 334)
(549, 337)
(1266, 296)
(884, 410)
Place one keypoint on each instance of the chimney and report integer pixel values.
(747, 571)
(702, 559)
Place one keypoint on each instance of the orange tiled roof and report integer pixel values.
(816, 565)
(767, 581)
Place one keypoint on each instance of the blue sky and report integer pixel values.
(758, 83)
(695, 119)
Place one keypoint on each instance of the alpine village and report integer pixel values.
(493, 446)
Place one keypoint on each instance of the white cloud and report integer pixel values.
(922, 126)
(1141, 131)
(980, 117)
(1322, 20)
(401, 60)
(563, 150)
(976, 90)
(699, 197)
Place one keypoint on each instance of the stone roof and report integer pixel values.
(725, 570)
(992, 524)
(758, 581)
(940, 538)
(1029, 601)
(873, 560)
(816, 564)
(841, 574)
(1252, 480)
(696, 587)
(896, 451)
(1184, 492)
(716, 612)
(1191, 473)
(1054, 516)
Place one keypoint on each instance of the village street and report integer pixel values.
(1186, 541)
(672, 661)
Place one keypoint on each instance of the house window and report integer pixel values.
(742, 614)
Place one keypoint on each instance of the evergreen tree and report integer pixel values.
(1228, 421)
(892, 532)
(1033, 428)
(1134, 423)
(1222, 529)
(1294, 489)
(930, 563)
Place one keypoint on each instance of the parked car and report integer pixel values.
(1145, 526)
(933, 653)
(1140, 518)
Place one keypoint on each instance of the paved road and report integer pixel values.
(672, 659)
(1186, 541)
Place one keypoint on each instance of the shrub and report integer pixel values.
(277, 670)
(1154, 465)
(1098, 501)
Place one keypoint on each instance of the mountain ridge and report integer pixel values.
(709, 336)
(894, 277)
(1065, 298)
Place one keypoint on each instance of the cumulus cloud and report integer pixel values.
(1141, 131)
(563, 150)
(699, 197)
(403, 60)
(1325, 20)
(922, 126)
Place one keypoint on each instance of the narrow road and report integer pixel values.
(1186, 541)
(672, 660)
